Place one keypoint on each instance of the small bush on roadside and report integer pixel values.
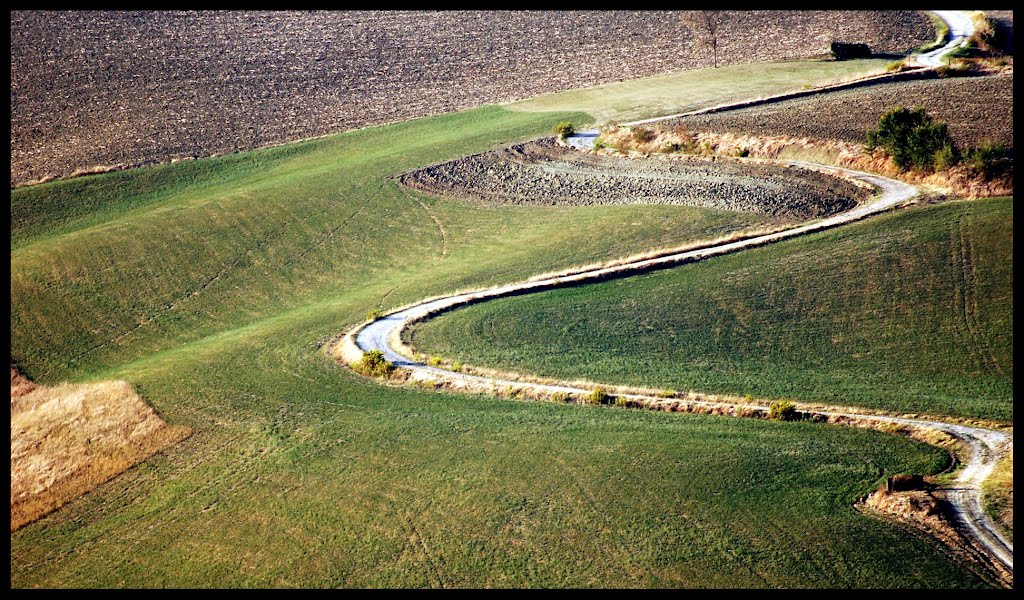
(623, 402)
(374, 314)
(742, 152)
(782, 410)
(955, 68)
(598, 396)
(457, 367)
(667, 394)
(896, 66)
(559, 397)
(910, 137)
(599, 143)
(988, 160)
(642, 135)
(434, 361)
(946, 157)
(373, 364)
(564, 129)
(670, 147)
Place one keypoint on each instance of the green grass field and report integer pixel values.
(911, 311)
(691, 90)
(211, 285)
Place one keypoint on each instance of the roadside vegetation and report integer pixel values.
(211, 285)
(910, 311)
(998, 495)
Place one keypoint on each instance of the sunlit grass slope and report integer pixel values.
(912, 311)
(209, 285)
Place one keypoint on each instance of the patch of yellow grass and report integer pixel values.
(998, 494)
(68, 439)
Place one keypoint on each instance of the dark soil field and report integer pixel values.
(977, 109)
(543, 173)
(91, 91)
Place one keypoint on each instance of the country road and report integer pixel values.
(986, 446)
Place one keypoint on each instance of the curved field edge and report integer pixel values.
(911, 311)
(347, 483)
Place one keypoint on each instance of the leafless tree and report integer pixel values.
(705, 26)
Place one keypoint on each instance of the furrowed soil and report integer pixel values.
(976, 109)
(545, 173)
(95, 91)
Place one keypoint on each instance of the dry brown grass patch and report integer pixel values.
(68, 439)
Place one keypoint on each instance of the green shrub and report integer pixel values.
(435, 361)
(782, 410)
(623, 402)
(599, 143)
(373, 364)
(988, 160)
(374, 314)
(670, 147)
(667, 394)
(457, 366)
(564, 129)
(559, 397)
(946, 157)
(598, 396)
(910, 137)
(742, 152)
(844, 51)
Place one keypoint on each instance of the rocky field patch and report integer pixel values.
(543, 172)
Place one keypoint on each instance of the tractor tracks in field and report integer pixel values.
(965, 299)
(985, 446)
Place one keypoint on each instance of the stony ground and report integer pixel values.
(977, 109)
(93, 90)
(542, 172)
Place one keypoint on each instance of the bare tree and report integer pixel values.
(705, 26)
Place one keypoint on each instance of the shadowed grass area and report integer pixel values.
(911, 311)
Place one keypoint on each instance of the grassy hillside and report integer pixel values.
(299, 474)
(210, 285)
(912, 311)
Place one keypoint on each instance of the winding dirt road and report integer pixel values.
(986, 446)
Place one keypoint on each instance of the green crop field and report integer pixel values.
(912, 311)
(210, 285)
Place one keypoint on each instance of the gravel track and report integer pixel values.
(121, 88)
(985, 445)
(543, 172)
